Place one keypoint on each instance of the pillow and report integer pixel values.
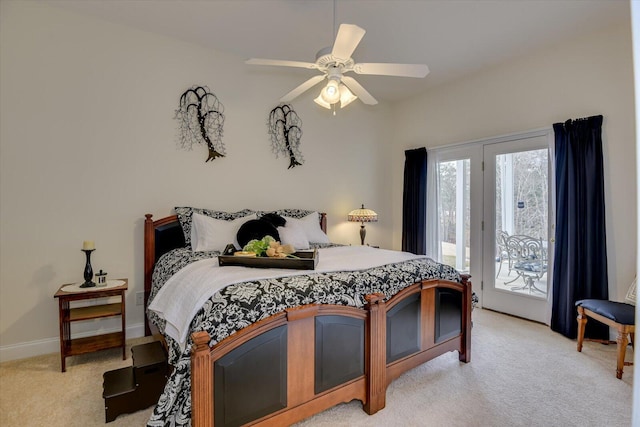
(211, 234)
(288, 213)
(293, 234)
(185, 215)
(311, 226)
(273, 219)
(255, 229)
(631, 293)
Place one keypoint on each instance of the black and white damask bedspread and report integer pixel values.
(239, 305)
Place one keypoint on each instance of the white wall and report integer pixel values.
(88, 146)
(635, 27)
(578, 78)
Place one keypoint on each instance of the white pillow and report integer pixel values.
(311, 226)
(210, 234)
(293, 234)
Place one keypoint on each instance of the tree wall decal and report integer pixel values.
(201, 118)
(286, 132)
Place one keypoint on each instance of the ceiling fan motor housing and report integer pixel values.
(325, 61)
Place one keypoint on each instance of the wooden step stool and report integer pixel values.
(136, 387)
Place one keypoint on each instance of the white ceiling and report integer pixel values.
(453, 37)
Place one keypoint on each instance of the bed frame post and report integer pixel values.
(465, 355)
(201, 381)
(323, 221)
(376, 353)
(149, 261)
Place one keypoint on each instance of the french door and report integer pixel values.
(517, 248)
(454, 229)
(487, 192)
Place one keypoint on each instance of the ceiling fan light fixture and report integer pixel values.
(322, 103)
(331, 93)
(346, 97)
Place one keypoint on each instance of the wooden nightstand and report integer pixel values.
(67, 314)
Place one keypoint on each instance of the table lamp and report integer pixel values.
(362, 215)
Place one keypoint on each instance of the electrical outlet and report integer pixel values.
(139, 298)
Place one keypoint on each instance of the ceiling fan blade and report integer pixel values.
(360, 92)
(281, 63)
(399, 70)
(347, 40)
(302, 88)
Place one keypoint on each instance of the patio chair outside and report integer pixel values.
(530, 260)
(501, 244)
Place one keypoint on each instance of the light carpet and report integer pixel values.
(520, 374)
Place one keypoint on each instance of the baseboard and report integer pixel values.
(52, 345)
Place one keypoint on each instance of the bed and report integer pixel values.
(275, 349)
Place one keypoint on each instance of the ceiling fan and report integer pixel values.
(334, 63)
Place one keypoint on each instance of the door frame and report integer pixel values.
(481, 262)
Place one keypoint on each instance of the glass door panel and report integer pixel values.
(454, 209)
(521, 216)
(454, 213)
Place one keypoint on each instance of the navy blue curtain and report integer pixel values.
(414, 202)
(580, 261)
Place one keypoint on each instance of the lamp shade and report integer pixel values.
(331, 93)
(346, 97)
(362, 215)
(322, 103)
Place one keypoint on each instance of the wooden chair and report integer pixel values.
(618, 315)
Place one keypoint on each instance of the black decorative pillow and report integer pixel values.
(256, 229)
(185, 215)
(273, 219)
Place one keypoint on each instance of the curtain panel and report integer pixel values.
(580, 261)
(414, 201)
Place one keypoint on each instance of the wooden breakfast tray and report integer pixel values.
(306, 261)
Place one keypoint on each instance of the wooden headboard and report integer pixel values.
(163, 235)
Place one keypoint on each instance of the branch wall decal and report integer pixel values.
(286, 132)
(201, 119)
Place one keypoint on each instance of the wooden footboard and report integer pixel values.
(307, 359)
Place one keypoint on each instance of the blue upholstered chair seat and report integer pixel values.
(619, 312)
